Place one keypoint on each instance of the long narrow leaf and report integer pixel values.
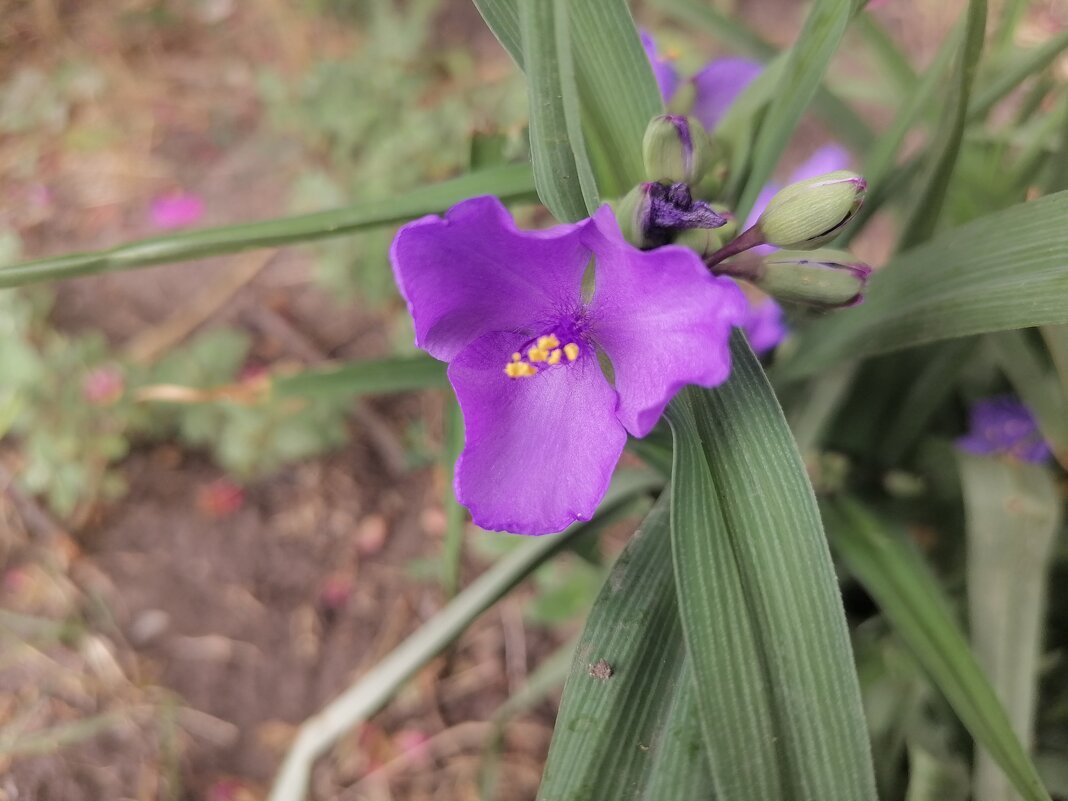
(847, 125)
(942, 156)
(511, 183)
(1004, 80)
(759, 602)
(971, 280)
(562, 170)
(617, 91)
(911, 599)
(627, 729)
(1012, 514)
(399, 374)
(807, 61)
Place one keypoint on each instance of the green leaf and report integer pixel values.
(1012, 515)
(1007, 270)
(798, 82)
(511, 183)
(847, 125)
(880, 162)
(1007, 77)
(912, 601)
(762, 616)
(627, 727)
(399, 374)
(892, 60)
(943, 152)
(455, 514)
(562, 170)
(617, 91)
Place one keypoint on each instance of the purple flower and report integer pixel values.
(764, 325)
(1004, 426)
(176, 210)
(666, 76)
(718, 84)
(506, 308)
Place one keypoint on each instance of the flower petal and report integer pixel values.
(662, 319)
(718, 84)
(474, 272)
(539, 451)
(829, 158)
(764, 326)
(666, 77)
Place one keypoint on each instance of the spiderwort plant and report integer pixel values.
(545, 420)
(710, 93)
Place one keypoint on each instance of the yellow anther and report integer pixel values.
(571, 350)
(548, 342)
(554, 357)
(536, 354)
(519, 369)
(517, 356)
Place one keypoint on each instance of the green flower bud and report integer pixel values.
(809, 213)
(829, 278)
(675, 150)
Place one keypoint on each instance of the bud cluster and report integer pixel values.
(684, 165)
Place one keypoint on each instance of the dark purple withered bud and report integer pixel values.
(652, 214)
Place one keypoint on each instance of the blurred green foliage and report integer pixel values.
(398, 111)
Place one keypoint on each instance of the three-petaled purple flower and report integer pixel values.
(506, 308)
(1003, 426)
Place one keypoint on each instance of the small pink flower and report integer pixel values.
(335, 593)
(177, 210)
(103, 386)
(413, 743)
(220, 499)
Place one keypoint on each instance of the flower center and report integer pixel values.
(545, 351)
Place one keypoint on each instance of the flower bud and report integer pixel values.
(675, 149)
(809, 213)
(830, 278)
(652, 214)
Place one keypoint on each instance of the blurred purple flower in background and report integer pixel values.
(1003, 426)
(544, 428)
(666, 76)
(176, 210)
(718, 84)
(764, 325)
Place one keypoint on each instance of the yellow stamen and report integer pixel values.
(516, 356)
(554, 357)
(536, 354)
(519, 370)
(571, 350)
(548, 342)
